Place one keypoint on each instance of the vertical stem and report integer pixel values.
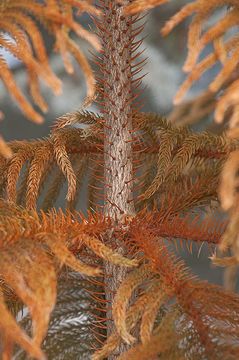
(117, 109)
(118, 139)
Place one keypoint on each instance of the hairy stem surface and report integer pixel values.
(118, 139)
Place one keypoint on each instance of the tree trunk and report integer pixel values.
(117, 138)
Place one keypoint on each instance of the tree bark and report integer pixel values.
(117, 139)
(117, 112)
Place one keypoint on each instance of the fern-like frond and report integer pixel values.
(189, 228)
(78, 117)
(32, 250)
(178, 159)
(195, 316)
(19, 19)
(68, 333)
(53, 190)
(65, 164)
(224, 51)
(122, 298)
(228, 192)
(143, 5)
(29, 170)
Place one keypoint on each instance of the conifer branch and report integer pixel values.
(148, 183)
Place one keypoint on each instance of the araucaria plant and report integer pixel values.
(148, 181)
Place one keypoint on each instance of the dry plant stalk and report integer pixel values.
(116, 87)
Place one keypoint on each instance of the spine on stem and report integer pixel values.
(117, 93)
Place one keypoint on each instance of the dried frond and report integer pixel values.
(192, 169)
(13, 333)
(163, 342)
(132, 317)
(224, 261)
(176, 157)
(121, 300)
(31, 250)
(19, 20)
(149, 294)
(194, 315)
(61, 149)
(81, 171)
(142, 5)
(192, 111)
(179, 153)
(71, 308)
(229, 181)
(151, 310)
(14, 168)
(53, 190)
(225, 52)
(21, 191)
(78, 117)
(187, 228)
(65, 256)
(65, 164)
(106, 253)
(41, 156)
(209, 312)
(228, 192)
(35, 286)
(5, 151)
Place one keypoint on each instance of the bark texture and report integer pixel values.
(117, 112)
(118, 139)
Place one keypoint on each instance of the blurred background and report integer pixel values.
(164, 67)
(164, 74)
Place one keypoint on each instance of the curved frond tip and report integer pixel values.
(19, 19)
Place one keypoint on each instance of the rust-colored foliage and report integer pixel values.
(70, 149)
(166, 151)
(20, 20)
(36, 247)
(175, 175)
(221, 96)
(224, 51)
